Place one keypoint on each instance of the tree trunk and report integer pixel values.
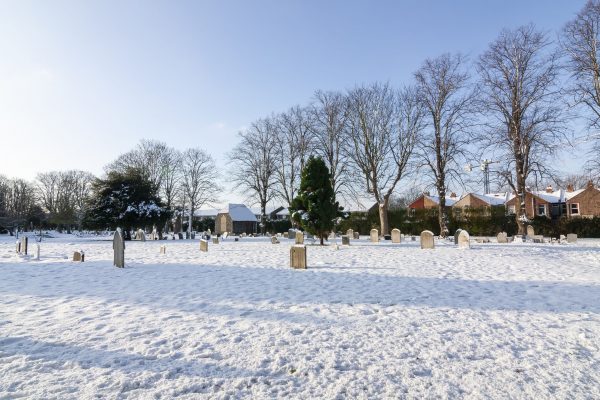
(321, 237)
(521, 210)
(263, 217)
(442, 217)
(383, 218)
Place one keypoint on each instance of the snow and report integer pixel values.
(570, 195)
(449, 200)
(239, 212)
(368, 321)
(493, 199)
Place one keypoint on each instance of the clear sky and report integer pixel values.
(83, 81)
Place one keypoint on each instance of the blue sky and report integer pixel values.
(82, 81)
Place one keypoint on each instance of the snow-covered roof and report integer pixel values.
(268, 210)
(493, 199)
(285, 212)
(570, 195)
(238, 212)
(557, 196)
(212, 212)
(449, 200)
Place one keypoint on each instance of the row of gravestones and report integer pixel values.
(22, 247)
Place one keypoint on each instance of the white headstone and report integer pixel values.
(203, 245)
(456, 235)
(530, 231)
(427, 241)
(571, 238)
(396, 236)
(163, 249)
(37, 252)
(350, 233)
(299, 237)
(374, 235)
(356, 235)
(464, 241)
(502, 237)
(119, 249)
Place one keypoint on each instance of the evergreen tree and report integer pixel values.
(125, 199)
(315, 208)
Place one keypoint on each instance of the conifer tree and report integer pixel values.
(315, 208)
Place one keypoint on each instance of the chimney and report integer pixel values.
(570, 188)
(452, 195)
(549, 189)
(590, 184)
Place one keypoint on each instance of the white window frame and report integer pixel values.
(538, 210)
(571, 209)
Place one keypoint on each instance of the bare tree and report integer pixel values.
(253, 164)
(329, 127)
(293, 139)
(198, 180)
(383, 129)
(443, 86)
(518, 75)
(580, 40)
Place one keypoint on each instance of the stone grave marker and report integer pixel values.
(298, 257)
(141, 235)
(538, 238)
(427, 241)
(24, 244)
(464, 241)
(299, 237)
(79, 256)
(203, 245)
(180, 236)
(119, 249)
(345, 240)
(286, 235)
(215, 240)
(502, 237)
(530, 231)
(571, 238)
(350, 233)
(396, 238)
(274, 240)
(291, 233)
(458, 231)
(18, 247)
(356, 235)
(163, 249)
(374, 235)
(37, 252)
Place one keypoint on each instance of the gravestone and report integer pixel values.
(163, 249)
(286, 235)
(119, 249)
(24, 243)
(291, 233)
(374, 235)
(346, 240)
(463, 240)
(274, 240)
(387, 237)
(193, 235)
(141, 235)
(78, 256)
(458, 231)
(298, 257)
(187, 235)
(203, 245)
(427, 241)
(538, 238)
(396, 238)
(502, 237)
(299, 237)
(215, 240)
(571, 238)
(530, 231)
(18, 248)
(225, 234)
(37, 252)
(350, 233)
(237, 239)
(356, 235)
(180, 236)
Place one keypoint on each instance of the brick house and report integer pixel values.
(583, 202)
(427, 201)
(478, 201)
(541, 203)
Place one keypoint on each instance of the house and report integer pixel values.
(428, 201)
(236, 219)
(273, 213)
(477, 201)
(544, 203)
(583, 202)
(206, 214)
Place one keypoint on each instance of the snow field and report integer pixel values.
(367, 321)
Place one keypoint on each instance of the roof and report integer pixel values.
(570, 195)
(212, 212)
(238, 212)
(493, 199)
(449, 200)
(268, 210)
(557, 196)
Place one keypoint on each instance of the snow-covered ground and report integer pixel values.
(366, 321)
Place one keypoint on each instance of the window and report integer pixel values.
(541, 209)
(512, 209)
(574, 208)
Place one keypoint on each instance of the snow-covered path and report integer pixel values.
(367, 321)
